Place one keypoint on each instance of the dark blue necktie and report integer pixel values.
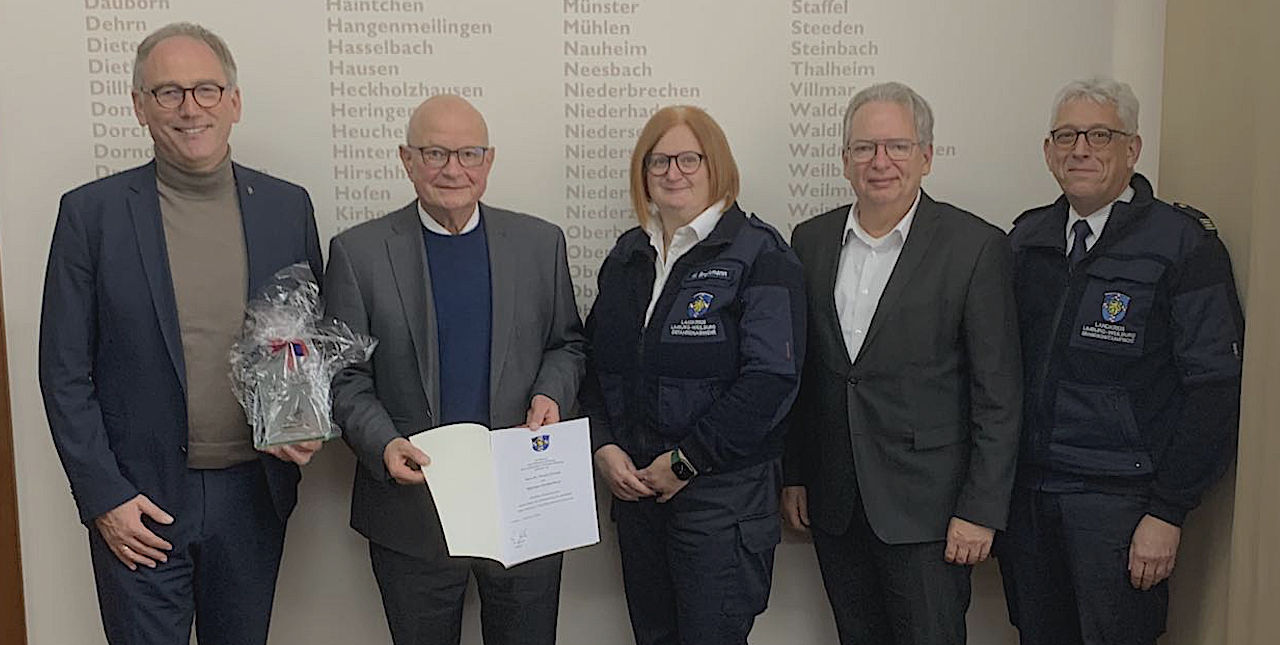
(1081, 231)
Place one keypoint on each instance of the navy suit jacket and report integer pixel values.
(111, 365)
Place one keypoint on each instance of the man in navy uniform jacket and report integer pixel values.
(1131, 343)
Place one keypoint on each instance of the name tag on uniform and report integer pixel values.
(723, 274)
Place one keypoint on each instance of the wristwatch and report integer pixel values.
(684, 471)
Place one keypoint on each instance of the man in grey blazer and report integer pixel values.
(476, 322)
(903, 440)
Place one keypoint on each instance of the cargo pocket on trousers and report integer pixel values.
(748, 594)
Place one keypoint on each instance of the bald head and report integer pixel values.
(447, 115)
(448, 158)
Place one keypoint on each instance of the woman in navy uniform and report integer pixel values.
(697, 337)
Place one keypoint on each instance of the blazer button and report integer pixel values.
(182, 449)
(853, 380)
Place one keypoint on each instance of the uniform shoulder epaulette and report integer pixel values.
(628, 241)
(754, 221)
(1032, 212)
(1198, 215)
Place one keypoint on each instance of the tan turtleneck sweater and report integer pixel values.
(209, 265)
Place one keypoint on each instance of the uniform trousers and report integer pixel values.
(697, 569)
(1065, 563)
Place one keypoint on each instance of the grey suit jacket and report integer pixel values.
(378, 283)
(923, 425)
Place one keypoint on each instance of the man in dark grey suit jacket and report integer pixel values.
(903, 440)
(476, 322)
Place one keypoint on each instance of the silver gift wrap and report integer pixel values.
(286, 357)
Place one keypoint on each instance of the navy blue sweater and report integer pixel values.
(459, 266)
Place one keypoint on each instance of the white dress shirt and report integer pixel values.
(865, 266)
(1097, 221)
(683, 239)
(439, 229)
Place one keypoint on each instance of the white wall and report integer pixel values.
(989, 68)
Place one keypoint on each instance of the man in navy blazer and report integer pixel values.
(148, 274)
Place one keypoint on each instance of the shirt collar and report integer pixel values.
(700, 226)
(852, 226)
(436, 227)
(1097, 219)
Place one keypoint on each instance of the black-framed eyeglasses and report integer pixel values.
(1095, 137)
(438, 157)
(864, 150)
(687, 162)
(171, 96)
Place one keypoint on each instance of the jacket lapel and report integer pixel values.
(827, 266)
(144, 208)
(256, 224)
(502, 280)
(923, 228)
(406, 251)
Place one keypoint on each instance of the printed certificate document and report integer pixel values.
(512, 495)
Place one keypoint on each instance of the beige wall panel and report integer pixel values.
(1219, 140)
(1255, 567)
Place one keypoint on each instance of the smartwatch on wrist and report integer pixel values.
(684, 471)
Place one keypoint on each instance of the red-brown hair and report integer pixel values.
(721, 168)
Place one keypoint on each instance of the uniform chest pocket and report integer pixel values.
(1115, 309)
(697, 314)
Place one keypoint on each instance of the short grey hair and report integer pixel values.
(189, 30)
(1104, 91)
(894, 92)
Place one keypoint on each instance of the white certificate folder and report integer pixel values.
(512, 495)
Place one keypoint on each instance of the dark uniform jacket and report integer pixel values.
(1132, 359)
(717, 367)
